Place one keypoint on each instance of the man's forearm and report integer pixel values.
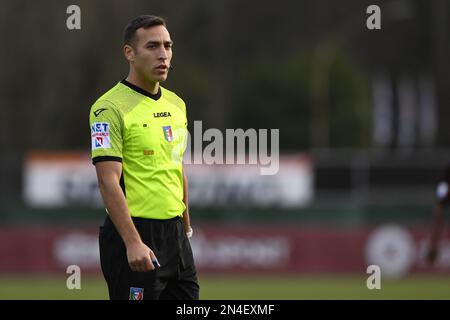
(117, 207)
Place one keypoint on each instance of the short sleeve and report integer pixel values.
(106, 132)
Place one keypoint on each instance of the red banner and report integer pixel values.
(397, 250)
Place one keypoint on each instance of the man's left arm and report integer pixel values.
(186, 218)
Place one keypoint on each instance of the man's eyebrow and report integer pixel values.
(159, 42)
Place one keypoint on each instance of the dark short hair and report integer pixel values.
(144, 21)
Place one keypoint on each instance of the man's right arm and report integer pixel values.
(139, 255)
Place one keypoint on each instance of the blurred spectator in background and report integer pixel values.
(443, 199)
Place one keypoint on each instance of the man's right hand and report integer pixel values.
(140, 257)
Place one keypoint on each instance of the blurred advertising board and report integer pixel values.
(53, 180)
(60, 180)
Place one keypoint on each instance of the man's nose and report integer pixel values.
(162, 54)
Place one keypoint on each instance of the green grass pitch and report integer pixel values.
(243, 287)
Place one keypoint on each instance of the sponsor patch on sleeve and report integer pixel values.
(100, 135)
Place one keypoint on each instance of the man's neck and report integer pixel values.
(150, 87)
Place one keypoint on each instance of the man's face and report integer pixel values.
(152, 53)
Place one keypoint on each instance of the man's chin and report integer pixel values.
(160, 78)
(160, 75)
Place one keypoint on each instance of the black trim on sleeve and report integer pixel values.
(105, 158)
(142, 91)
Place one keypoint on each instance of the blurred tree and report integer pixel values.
(285, 98)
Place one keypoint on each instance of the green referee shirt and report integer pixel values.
(147, 133)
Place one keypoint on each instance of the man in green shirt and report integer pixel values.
(138, 132)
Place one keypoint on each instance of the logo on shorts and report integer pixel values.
(168, 133)
(100, 135)
(136, 293)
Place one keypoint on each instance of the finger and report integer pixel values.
(132, 266)
(140, 268)
(139, 265)
(154, 260)
(148, 265)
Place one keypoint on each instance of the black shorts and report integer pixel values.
(176, 279)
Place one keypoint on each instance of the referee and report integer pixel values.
(138, 131)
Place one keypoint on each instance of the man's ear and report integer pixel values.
(128, 51)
